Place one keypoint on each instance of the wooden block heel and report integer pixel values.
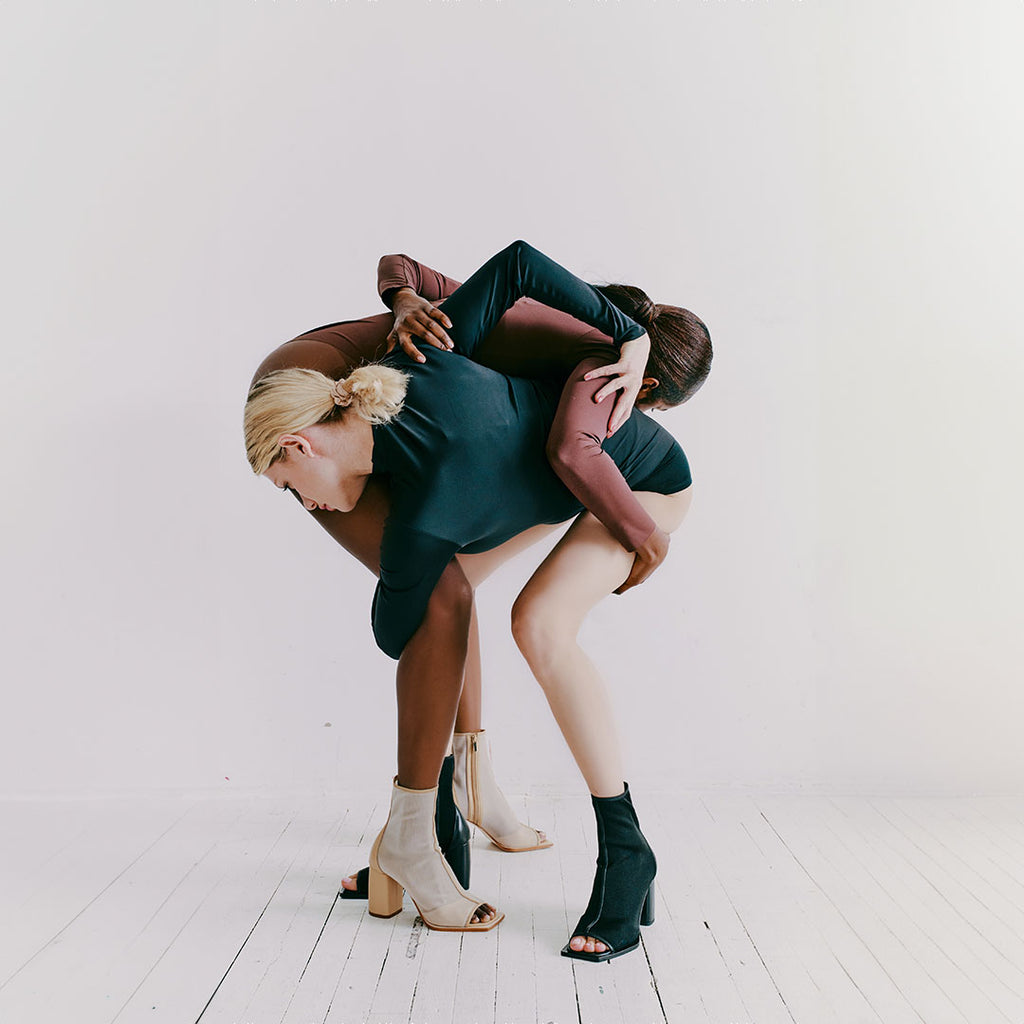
(384, 894)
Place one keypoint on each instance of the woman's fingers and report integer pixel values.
(422, 327)
(404, 338)
(648, 557)
(626, 381)
(441, 317)
(630, 369)
(612, 369)
(623, 407)
(429, 326)
(615, 384)
(637, 575)
(628, 387)
(418, 318)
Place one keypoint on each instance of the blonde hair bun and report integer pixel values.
(374, 392)
(285, 401)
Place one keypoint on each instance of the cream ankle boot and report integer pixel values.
(405, 855)
(481, 802)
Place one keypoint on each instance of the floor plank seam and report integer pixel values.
(849, 924)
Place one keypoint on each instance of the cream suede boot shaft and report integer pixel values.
(406, 855)
(480, 800)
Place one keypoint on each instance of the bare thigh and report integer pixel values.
(588, 563)
(479, 566)
(360, 533)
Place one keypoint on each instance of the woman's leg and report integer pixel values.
(586, 565)
(360, 532)
(429, 681)
(476, 792)
(429, 677)
(469, 714)
(430, 670)
(477, 568)
(429, 674)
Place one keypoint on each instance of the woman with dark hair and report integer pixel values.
(680, 358)
(332, 468)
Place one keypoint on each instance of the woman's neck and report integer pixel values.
(351, 448)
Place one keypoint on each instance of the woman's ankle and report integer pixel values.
(609, 791)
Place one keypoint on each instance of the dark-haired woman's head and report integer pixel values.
(680, 358)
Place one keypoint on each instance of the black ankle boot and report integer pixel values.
(452, 835)
(623, 895)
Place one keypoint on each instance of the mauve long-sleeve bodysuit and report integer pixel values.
(530, 339)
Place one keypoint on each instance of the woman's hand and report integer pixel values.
(416, 317)
(649, 556)
(628, 374)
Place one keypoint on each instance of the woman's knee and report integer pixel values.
(451, 602)
(538, 632)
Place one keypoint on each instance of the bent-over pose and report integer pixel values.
(414, 554)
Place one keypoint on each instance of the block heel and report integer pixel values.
(647, 914)
(384, 898)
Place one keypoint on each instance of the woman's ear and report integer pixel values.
(295, 444)
(649, 384)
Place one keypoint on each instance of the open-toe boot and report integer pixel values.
(622, 898)
(481, 801)
(452, 836)
(405, 856)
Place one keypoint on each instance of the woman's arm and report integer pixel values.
(537, 342)
(400, 271)
(575, 452)
(411, 563)
(521, 271)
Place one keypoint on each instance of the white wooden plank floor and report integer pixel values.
(772, 909)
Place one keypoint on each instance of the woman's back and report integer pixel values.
(466, 458)
(466, 453)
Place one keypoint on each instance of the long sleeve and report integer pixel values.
(575, 453)
(411, 563)
(519, 271)
(534, 340)
(400, 271)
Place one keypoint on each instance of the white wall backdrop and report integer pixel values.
(833, 187)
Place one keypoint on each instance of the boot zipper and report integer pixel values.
(474, 796)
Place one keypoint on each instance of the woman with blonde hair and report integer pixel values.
(435, 428)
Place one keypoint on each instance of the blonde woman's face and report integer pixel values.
(320, 478)
(311, 485)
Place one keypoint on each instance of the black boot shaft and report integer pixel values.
(622, 895)
(450, 826)
(618, 828)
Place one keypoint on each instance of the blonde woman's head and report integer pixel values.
(287, 413)
(287, 401)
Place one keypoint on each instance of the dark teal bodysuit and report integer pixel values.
(466, 454)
